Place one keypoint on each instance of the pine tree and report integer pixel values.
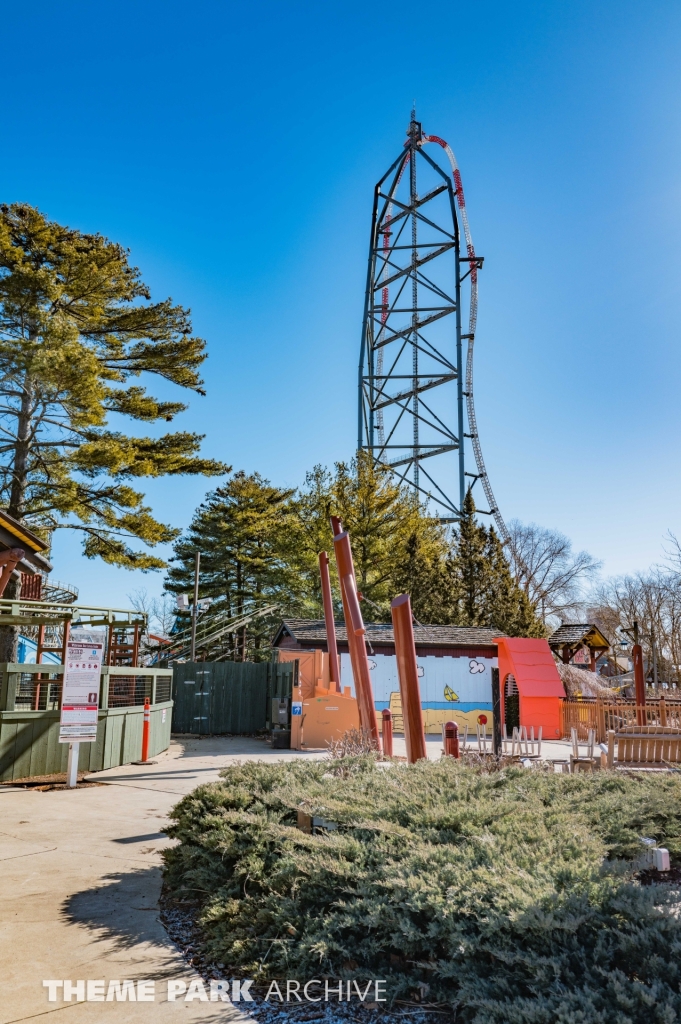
(471, 567)
(488, 593)
(308, 533)
(241, 530)
(77, 328)
(383, 519)
(508, 606)
(431, 581)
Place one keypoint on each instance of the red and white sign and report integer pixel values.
(80, 694)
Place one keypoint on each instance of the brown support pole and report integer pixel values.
(407, 671)
(600, 721)
(67, 630)
(639, 680)
(337, 528)
(327, 601)
(387, 734)
(355, 630)
(135, 645)
(109, 653)
(195, 608)
(41, 644)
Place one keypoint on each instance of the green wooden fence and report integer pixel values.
(29, 719)
(233, 698)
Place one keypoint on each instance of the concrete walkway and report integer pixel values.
(79, 885)
(80, 880)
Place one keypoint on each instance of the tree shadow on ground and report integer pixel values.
(123, 912)
(122, 909)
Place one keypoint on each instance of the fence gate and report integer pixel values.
(218, 698)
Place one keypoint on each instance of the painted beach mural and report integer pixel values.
(452, 689)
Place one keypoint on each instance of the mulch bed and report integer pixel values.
(46, 783)
(653, 877)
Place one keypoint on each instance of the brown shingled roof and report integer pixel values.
(576, 633)
(314, 631)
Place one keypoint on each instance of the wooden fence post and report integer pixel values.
(640, 684)
(600, 721)
(663, 711)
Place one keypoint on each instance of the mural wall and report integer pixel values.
(452, 689)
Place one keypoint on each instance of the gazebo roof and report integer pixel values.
(572, 634)
(14, 534)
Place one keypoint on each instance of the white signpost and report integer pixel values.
(80, 693)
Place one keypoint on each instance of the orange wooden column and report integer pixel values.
(337, 528)
(387, 734)
(407, 671)
(327, 601)
(354, 625)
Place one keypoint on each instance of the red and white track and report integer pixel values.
(385, 296)
(472, 324)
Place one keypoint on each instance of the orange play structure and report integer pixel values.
(321, 709)
(319, 712)
(528, 665)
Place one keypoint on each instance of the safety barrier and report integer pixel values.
(602, 716)
(30, 699)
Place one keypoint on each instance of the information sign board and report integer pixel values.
(80, 694)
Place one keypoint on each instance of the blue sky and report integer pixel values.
(234, 148)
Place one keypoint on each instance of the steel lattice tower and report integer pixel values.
(411, 375)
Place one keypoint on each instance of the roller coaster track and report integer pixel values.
(472, 326)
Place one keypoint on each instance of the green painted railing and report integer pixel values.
(30, 696)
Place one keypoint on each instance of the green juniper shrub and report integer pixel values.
(512, 896)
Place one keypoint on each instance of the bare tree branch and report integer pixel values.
(552, 575)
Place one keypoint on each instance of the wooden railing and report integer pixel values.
(601, 716)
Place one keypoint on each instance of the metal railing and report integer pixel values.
(20, 613)
(39, 687)
(129, 689)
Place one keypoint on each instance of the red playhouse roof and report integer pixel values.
(531, 664)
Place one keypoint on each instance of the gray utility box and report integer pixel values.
(281, 711)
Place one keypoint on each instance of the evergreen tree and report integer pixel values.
(77, 327)
(241, 530)
(383, 519)
(509, 608)
(488, 594)
(308, 533)
(431, 581)
(471, 568)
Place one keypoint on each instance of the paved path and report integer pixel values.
(80, 880)
(79, 885)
